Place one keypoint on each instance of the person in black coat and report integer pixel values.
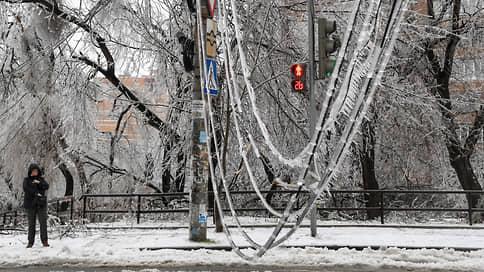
(35, 203)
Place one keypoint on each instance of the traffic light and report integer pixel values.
(298, 81)
(326, 46)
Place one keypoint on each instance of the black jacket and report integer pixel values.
(31, 190)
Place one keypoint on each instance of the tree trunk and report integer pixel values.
(166, 181)
(66, 173)
(85, 186)
(459, 154)
(467, 178)
(69, 179)
(270, 176)
(166, 176)
(180, 173)
(367, 160)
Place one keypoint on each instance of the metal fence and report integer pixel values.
(9, 219)
(65, 207)
(383, 206)
(60, 207)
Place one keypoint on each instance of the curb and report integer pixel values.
(330, 247)
(480, 227)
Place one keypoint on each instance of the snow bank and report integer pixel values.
(108, 256)
(121, 248)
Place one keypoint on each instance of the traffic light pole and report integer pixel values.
(312, 99)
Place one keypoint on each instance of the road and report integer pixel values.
(214, 269)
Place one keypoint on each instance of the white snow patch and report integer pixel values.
(122, 248)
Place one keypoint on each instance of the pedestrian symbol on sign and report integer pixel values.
(211, 83)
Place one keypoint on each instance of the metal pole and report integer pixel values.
(72, 207)
(312, 100)
(57, 208)
(138, 212)
(469, 207)
(199, 156)
(84, 208)
(382, 209)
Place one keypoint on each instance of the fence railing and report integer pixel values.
(66, 205)
(382, 206)
(59, 205)
(9, 218)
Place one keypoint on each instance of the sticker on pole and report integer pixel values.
(211, 83)
(197, 109)
(211, 6)
(202, 218)
(203, 137)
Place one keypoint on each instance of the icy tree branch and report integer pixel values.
(109, 72)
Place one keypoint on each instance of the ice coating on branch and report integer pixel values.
(298, 160)
(48, 26)
(38, 40)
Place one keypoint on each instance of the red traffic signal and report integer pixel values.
(298, 82)
(298, 70)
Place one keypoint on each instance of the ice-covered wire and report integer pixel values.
(281, 222)
(350, 130)
(384, 54)
(287, 212)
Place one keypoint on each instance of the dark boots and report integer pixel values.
(44, 244)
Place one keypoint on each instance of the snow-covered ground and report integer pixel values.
(115, 247)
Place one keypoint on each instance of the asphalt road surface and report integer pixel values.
(213, 269)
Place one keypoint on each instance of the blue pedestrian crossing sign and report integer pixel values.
(211, 83)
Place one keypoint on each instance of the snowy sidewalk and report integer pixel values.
(331, 237)
(121, 247)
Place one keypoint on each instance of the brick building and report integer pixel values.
(144, 88)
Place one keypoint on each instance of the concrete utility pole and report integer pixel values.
(199, 156)
(312, 95)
